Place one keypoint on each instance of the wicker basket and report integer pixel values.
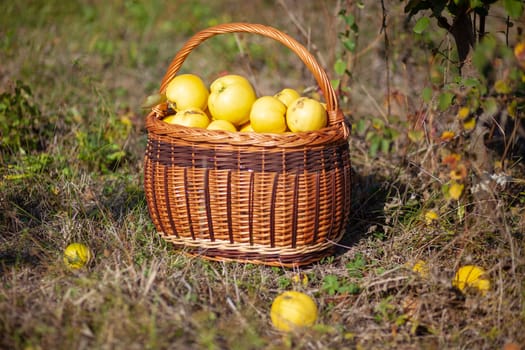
(274, 199)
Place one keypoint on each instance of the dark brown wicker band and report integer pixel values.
(277, 161)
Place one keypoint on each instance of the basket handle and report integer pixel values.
(335, 116)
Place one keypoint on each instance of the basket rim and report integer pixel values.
(182, 134)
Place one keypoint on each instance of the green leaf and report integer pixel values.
(385, 146)
(351, 288)
(349, 19)
(426, 94)
(483, 53)
(378, 124)
(445, 100)
(490, 106)
(115, 156)
(512, 108)
(374, 145)
(461, 212)
(416, 135)
(471, 82)
(153, 100)
(340, 67)
(355, 266)
(360, 127)
(476, 3)
(394, 134)
(349, 44)
(335, 83)
(421, 25)
(502, 87)
(514, 8)
(330, 284)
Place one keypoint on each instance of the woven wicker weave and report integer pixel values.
(275, 199)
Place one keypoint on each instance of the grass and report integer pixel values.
(72, 79)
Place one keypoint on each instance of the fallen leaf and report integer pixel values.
(502, 87)
(511, 346)
(415, 135)
(469, 124)
(512, 109)
(451, 160)
(471, 277)
(300, 278)
(430, 216)
(421, 267)
(447, 135)
(519, 53)
(455, 190)
(459, 173)
(463, 113)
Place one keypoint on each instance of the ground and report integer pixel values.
(72, 81)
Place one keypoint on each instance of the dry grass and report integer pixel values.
(90, 66)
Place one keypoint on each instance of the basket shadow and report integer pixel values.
(368, 197)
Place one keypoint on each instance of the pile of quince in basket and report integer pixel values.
(231, 104)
